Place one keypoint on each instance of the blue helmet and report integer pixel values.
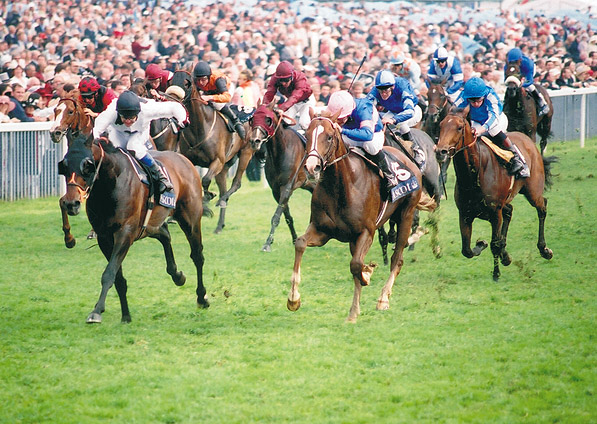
(514, 55)
(384, 79)
(475, 87)
(440, 54)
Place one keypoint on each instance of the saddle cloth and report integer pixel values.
(501, 153)
(167, 199)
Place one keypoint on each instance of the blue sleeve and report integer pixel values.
(527, 69)
(19, 113)
(359, 134)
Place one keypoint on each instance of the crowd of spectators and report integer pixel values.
(46, 47)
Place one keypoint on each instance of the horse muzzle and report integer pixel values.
(71, 206)
(56, 135)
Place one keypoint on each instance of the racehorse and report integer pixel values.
(283, 163)
(348, 205)
(431, 183)
(438, 105)
(70, 120)
(485, 190)
(119, 209)
(521, 109)
(207, 142)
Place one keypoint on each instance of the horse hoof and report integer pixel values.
(208, 195)
(70, 243)
(222, 204)
(383, 305)
(203, 303)
(437, 252)
(547, 253)
(496, 277)
(293, 305)
(125, 319)
(179, 279)
(94, 318)
(266, 248)
(218, 230)
(351, 320)
(506, 259)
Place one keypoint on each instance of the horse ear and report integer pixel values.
(272, 104)
(258, 102)
(466, 110)
(334, 117)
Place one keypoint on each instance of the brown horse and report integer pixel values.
(521, 109)
(283, 163)
(119, 210)
(207, 142)
(348, 205)
(485, 190)
(70, 121)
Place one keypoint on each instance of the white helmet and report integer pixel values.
(341, 101)
(441, 54)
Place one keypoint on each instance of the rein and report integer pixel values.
(84, 192)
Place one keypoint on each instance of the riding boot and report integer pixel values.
(517, 166)
(156, 174)
(383, 162)
(543, 107)
(418, 154)
(240, 129)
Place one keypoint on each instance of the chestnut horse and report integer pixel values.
(283, 163)
(119, 210)
(70, 121)
(485, 190)
(348, 205)
(521, 109)
(207, 142)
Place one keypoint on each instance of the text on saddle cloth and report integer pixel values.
(167, 199)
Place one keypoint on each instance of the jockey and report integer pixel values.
(157, 81)
(214, 87)
(127, 122)
(399, 106)
(487, 117)
(360, 125)
(410, 70)
(293, 85)
(94, 97)
(445, 70)
(527, 71)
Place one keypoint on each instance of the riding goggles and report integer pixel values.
(128, 115)
(285, 79)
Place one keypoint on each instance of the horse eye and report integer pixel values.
(87, 168)
(269, 121)
(251, 121)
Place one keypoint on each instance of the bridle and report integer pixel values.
(324, 161)
(78, 117)
(454, 150)
(264, 131)
(84, 191)
(434, 110)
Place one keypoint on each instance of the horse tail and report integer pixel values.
(547, 163)
(426, 203)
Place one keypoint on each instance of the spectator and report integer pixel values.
(6, 107)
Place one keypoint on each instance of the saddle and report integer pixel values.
(505, 155)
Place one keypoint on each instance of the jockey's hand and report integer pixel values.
(90, 113)
(154, 93)
(388, 120)
(338, 127)
(475, 132)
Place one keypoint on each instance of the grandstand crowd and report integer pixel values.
(47, 47)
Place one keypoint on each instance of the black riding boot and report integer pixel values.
(383, 162)
(542, 106)
(517, 166)
(418, 154)
(240, 129)
(156, 174)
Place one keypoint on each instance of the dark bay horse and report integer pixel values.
(117, 208)
(485, 190)
(438, 106)
(283, 163)
(521, 109)
(347, 205)
(207, 142)
(70, 121)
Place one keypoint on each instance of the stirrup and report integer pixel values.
(543, 111)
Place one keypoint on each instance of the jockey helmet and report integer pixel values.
(399, 60)
(440, 54)
(88, 87)
(284, 70)
(514, 55)
(128, 104)
(384, 79)
(474, 88)
(343, 102)
(202, 69)
(153, 71)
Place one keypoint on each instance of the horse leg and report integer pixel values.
(243, 162)
(166, 240)
(545, 251)
(221, 181)
(497, 242)
(282, 199)
(121, 289)
(415, 233)
(383, 302)
(189, 220)
(383, 242)
(311, 238)
(361, 273)
(507, 217)
(69, 240)
(466, 229)
(214, 169)
(115, 252)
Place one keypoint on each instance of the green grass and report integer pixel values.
(454, 346)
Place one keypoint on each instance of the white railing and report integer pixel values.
(573, 105)
(29, 159)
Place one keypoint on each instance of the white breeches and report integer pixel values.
(372, 147)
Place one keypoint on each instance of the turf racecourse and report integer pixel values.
(454, 346)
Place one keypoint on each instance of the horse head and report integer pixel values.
(437, 100)
(183, 79)
(264, 124)
(69, 115)
(455, 134)
(324, 143)
(513, 80)
(80, 170)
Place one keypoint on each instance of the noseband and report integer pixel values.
(333, 146)
(84, 191)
